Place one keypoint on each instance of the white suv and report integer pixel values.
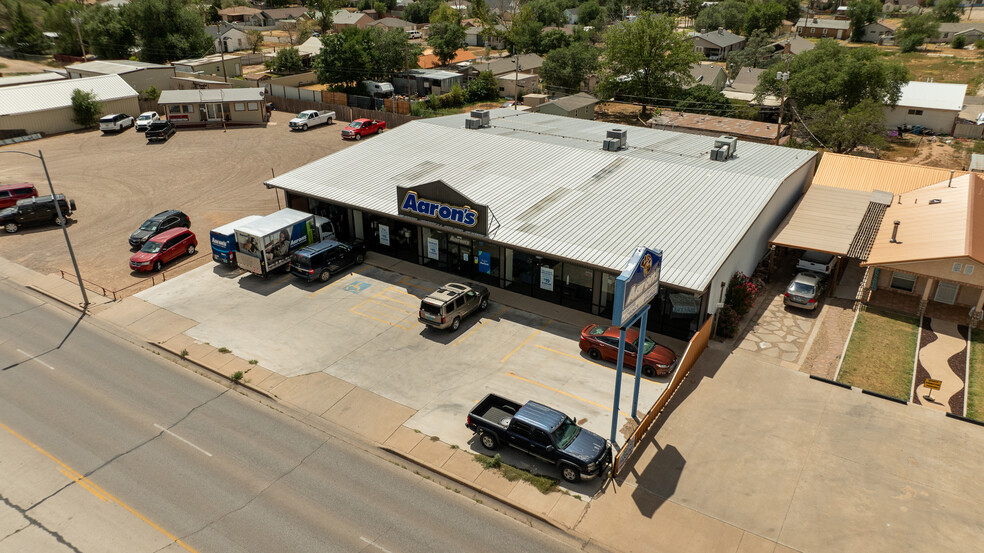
(115, 122)
(145, 119)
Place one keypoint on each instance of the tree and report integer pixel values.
(322, 12)
(364, 5)
(447, 34)
(525, 33)
(357, 55)
(86, 108)
(152, 94)
(691, 8)
(959, 42)
(168, 29)
(757, 53)
(566, 68)
(947, 11)
(23, 35)
(548, 12)
(552, 40)
(701, 98)
(765, 16)
(287, 60)
(861, 13)
(831, 72)
(254, 39)
(420, 11)
(914, 31)
(793, 9)
(729, 15)
(391, 51)
(298, 30)
(646, 58)
(590, 13)
(212, 13)
(107, 32)
(844, 130)
(483, 87)
(61, 19)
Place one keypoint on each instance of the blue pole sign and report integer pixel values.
(637, 285)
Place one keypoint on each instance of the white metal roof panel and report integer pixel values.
(211, 95)
(34, 97)
(919, 94)
(565, 196)
(32, 78)
(274, 222)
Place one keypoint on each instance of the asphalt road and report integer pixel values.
(207, 465)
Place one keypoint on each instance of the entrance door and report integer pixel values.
(459, 259)
(946, 292)
(214, 112)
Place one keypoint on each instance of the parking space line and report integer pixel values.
(364, 267)
(401, 281)
(479, 325)
(395, 300)
(283, 280)
(572, 356)
(525, 341)
(552, 389)
(397, 309)
(382, 320)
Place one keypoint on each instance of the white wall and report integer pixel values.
(941, 121)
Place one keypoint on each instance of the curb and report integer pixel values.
(883, 396)
(59, 299)
(215, 371)
(965, 419)
(829, 381)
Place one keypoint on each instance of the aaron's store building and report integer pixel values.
(542, 205)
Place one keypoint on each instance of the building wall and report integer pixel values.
(60, 119)
(508, 87)
(237, 41)
(941, 121)
(818, 32)
(873, 32)
(968, 293)
(580, 113)
(943, 268)
(184, 114)
(233, 67)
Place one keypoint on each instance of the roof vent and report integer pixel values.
(935, 201)
(895, 232)
(724, 148)
(720, 30)
(616, 139)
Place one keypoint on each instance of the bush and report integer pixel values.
(741, 294)
(86, 109)
(728, 319)
(287, 60)
(483, 87)
(959, 42)
(152, 93)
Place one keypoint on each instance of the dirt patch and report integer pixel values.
(935, 151)
(13, 67)
(825, 353)
(620, 114)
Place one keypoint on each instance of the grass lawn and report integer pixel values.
(943, 69)
(880, 355)
(975, 392)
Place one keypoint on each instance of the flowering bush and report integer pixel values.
(741, 294)
(728, 319)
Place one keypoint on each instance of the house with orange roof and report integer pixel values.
(430, 61)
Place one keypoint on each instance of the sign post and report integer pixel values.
(932, 385)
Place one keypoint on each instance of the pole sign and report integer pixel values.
(637, 285)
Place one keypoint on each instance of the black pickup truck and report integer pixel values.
(159, 130)
(542, 432)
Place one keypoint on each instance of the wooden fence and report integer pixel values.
(968, 130)
(294, 100)
(696, 346)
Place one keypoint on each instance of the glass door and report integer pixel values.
(214, 112)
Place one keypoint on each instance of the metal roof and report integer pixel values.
(113, 67)
(573, 102)
(32, 78)
(863, 173)
(553, 189)
(714, 124)
(211, 95)
(721, 38)
(273, 222)
(34, 97)
(824, 220)
(843, 24)
(946, 96)
(977, 162)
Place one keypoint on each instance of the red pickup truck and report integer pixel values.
(361, 127)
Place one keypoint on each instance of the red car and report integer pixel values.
(10, 193)
(361, 127)
(162, 248)
(601, 342)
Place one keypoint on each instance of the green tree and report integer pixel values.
(566, 68)
(844, 130)
(959, 42)
(646, 58)
(107, 32)
(212, 13)
(793, 9)
(420, 11)
(24, 36)
(364, 5)
(525, 32)
(947, 11)
(831, 72)
(391, 51)
(357, 55)
(447, 34)
(168, 29)
(483, 87)
(590, 13)
(151, 93)
(861, 13)
(764, 16)
(287, 61)
(691, 8)
(729, 14)
(322, 12)
(61, 19)
(757, 53)
(547, 12)
(914, 31)
(701, 98)
(254, 39)
(86, 108)
(552, 40)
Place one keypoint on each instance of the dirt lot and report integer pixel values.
(119, 180)
(9, 67)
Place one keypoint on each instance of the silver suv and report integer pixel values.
(446, 306)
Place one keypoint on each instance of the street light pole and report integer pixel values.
(64, 223)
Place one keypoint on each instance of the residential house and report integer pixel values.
(516, 83)
(709, 74)
(977, 163)
(430, 61)
(710, 125)
(743, 87)
(869, 174)
(344, 19)
(473, 37)
(230, 105)
(716, 45)
(310, 47)
(46, 107)
(580, 105)
(215, 64)
(387, 23)
(138, 74)
(874, 32)
(814, 27)
(934, 106)
(570, 16)
(227, 38)
(971, 31)
(797, 45)
(527, 63)
(242, 14)
(273, 16)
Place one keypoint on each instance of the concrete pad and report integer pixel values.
(198, 350)
(269, 381)
(128, 311)
(750, 543)
(161, 325)
(404, 439)
(368, 414)
(783, 549)
(217, 360)
(178, 342)
(495, 483)
(532, 499)
(235, 364)
(568, 510)
(315, 392)
(463, 465)
(432, 452)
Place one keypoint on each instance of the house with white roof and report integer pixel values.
(933, 106)
(46, 107)
(138, 74)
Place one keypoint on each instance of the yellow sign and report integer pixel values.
(933, 384)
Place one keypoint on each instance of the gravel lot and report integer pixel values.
(119, 180)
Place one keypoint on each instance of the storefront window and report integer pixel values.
(576, 287)
(607, 298)
(547, 279)
(435, 248)
(485, 262)
(519, 271)
(390, 237)
(460, 257)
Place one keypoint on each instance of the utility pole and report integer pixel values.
(406, 75)
(220, 44)
(75, 19)
(784, 76)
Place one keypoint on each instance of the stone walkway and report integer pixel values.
(780, 333)
(942, 356)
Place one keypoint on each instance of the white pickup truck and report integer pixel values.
(821, 263)
(311, 118)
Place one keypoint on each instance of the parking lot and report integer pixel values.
(119, 180)
(362, 327)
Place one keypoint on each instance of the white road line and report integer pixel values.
(159, 427)
(36, 359)
(370, 542)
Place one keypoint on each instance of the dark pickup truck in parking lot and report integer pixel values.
(159, 130)
(542, 432)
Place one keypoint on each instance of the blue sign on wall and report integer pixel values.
(637, 285)
(485, 262)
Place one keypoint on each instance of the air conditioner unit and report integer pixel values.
(612, 145)
(720, 153)
(482, 115)
(473, 123)
(622, 135)
(728, 141)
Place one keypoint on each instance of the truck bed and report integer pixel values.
(495, 410)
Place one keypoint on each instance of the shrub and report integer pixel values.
(85, 108)
(483, 87)
(741, 294)
(237, 376)
(959, 42)
(728, 319)
(152, 93)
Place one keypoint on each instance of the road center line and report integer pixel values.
(370, 542)
(182, 439)
(36, 359)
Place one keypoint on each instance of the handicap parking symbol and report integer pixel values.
(356, 287)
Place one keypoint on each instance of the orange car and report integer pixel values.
(601, 342)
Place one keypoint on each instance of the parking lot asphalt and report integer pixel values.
(119, 180)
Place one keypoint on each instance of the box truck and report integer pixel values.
(266, 243)
(223, 240)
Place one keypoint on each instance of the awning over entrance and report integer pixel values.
(827, 219)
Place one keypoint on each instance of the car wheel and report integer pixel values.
(489, 441)
(358, 137)
(325, 275)
(10, 227)
(594, 354)
(379, 130)
(158, 266)
(484, 305)
(303, 127)
(648, 371)
(329, 122)
(570, 473)
(359, 259)
(60, 221)
(455, 323)
(191, 249)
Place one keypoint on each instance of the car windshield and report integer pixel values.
(144, 118)
(149, 225)
(302, 116)
(151, 247)
(597, 330)
(801, 288)
(564, 434)
(647, 346)
(356, 124)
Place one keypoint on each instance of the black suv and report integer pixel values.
(36, 211)
(157, 224)
(324, 258)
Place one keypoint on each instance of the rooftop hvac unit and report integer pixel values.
(720, 153)
(473, 123)
(612, 145)
(622, 135)
(482, 115)
(730, 142)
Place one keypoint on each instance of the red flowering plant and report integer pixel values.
(741, 293)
